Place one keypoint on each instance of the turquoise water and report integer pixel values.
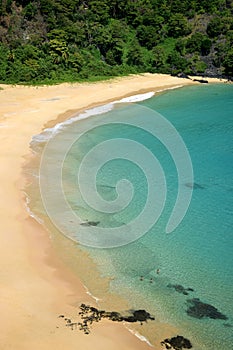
(198, 254)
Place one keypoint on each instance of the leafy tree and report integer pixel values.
(111, 40)
(197, 65)
(30, 11)
(147, 36)
(5, 7)
(75, 61)
(178, 6)
(212, 6)
(58, 45)
(98, 11)
(215, 27)
(78, 33)
(4, 54)
(205, 46)
(176, 62)
(117, 9)
(158, 58)
(26, 52)
(178, 26)
(135, 55)
(228, 63)
(180, 45)
(198, 43)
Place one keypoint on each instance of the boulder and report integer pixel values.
(177, 343)
(183, 75)
(202, 81)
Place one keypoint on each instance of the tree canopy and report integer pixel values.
(45, 41)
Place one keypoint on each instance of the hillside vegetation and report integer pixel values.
(45, 41)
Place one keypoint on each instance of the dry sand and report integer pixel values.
(35, 286)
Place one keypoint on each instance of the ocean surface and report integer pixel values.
(193, 288)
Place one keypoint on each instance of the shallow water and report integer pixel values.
(198, 253)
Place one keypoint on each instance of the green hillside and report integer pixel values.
(49, 41)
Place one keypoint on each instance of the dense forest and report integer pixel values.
(45, 41)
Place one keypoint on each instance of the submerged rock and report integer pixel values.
(180, 289)
(108, 186)
(198, 309)
(177, 343)
(90, 223)
(194, 186)
(227, 325)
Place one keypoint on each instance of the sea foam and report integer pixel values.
(50, 132)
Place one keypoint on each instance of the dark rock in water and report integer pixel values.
(107, 186)
(202, 81)
(89, 314)
(142, 315)
(194, 186)
(129, 319)
(177, 343)
(227, 325)
(180, 289)
(113, 316)
(198, 309)
(90, 223)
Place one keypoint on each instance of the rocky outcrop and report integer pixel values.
(202, 81)
(90, 314)
(177, 343)
(183, 75)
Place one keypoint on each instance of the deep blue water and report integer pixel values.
(198, 254)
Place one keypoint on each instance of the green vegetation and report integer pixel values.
(51, 41)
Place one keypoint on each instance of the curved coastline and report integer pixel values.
(36, 284)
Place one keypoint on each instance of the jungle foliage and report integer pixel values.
(45, 41)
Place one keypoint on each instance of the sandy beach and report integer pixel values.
(36, 286)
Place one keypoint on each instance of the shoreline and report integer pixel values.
(36, 285)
